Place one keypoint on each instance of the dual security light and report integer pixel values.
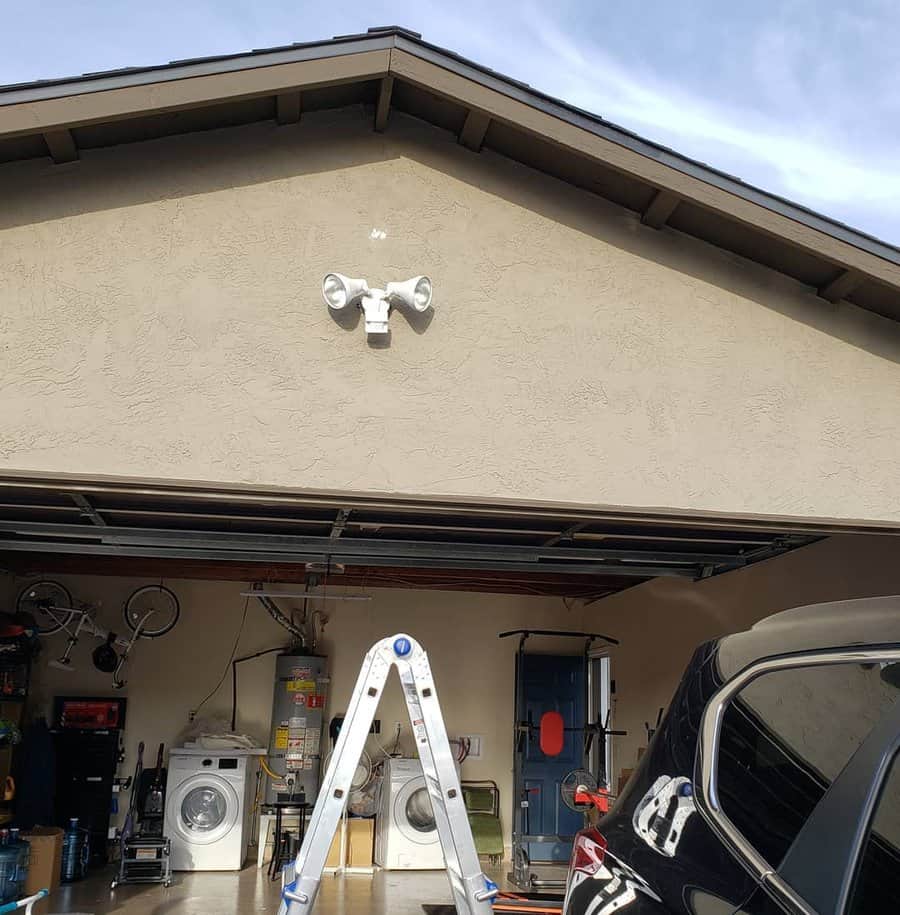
(340, 291)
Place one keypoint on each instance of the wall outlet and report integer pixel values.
(476, 746)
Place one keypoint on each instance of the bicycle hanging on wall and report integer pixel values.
(150, 612)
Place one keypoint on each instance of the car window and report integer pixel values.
(785, 737)
(877, 886)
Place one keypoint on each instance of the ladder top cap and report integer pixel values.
(402, 646)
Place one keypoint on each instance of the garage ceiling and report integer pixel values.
(189, 531)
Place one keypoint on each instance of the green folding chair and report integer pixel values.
(482, 800)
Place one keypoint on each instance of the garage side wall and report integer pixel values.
(170, 676)
(161, 317)
(661, 623)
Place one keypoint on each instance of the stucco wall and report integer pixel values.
(660, 623)
(160, 317)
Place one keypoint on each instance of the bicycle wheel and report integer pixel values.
(160, 603)
(49, 603)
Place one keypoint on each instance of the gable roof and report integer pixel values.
(393, 67)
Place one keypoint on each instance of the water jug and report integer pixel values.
(74, 853)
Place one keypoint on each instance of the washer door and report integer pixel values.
(413, 814)
(203, 809)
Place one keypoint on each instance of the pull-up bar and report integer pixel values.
(526, 633)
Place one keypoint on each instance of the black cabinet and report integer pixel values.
(86, 764)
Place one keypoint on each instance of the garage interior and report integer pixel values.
(355, 570)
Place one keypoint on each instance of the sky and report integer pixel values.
(799, 97)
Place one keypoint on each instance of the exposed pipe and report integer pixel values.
(281, 619)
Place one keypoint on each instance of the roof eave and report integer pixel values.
(52, 107)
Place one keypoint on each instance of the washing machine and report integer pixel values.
(209, 799)
(406, 836)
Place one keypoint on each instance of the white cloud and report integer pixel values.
(799, 155)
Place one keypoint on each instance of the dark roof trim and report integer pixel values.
(600, 127)
(402, 39)
(183, 69)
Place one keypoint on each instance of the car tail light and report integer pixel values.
(588, 852)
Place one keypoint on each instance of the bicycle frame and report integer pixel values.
(87, 623)
(118, 683)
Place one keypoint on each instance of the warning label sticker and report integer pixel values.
(301, 686)
(281, 738)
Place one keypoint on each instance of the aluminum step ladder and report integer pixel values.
(472, 891)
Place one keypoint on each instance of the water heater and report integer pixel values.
(298, 708)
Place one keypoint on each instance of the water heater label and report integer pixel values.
(301, 686)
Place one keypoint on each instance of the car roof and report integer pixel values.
(839, 624)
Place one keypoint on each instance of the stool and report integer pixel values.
(266, 839)
(282, 847)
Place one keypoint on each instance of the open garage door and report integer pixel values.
(194, 531)
(106, 540)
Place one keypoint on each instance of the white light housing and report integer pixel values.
(414, 293)
(339, 290)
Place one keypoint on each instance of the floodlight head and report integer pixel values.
(414, 293)
(339, 290)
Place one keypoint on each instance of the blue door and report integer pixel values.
(552, 683)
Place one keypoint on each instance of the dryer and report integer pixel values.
(406, 837)
(209, 797)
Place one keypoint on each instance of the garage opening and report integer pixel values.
(278, 595)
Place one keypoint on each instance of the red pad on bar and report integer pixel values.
(552, 733)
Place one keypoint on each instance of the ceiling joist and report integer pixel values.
(841, 286)
(61, 145)
(288, 106)
(383, 108)
(660, 208)
(473, 130)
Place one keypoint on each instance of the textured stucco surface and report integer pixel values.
(160, 317)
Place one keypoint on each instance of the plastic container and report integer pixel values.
(75, 852)
(12, 875)
(16, 841)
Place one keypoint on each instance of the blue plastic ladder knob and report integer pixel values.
(402, 647)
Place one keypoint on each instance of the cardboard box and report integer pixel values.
(359, 847)
(45, 862)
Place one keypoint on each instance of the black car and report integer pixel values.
(772, 784)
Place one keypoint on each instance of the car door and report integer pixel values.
(797, 774)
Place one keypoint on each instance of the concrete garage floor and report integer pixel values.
(393, 892)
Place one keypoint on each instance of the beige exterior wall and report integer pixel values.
(160, 317)
(661, 623)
